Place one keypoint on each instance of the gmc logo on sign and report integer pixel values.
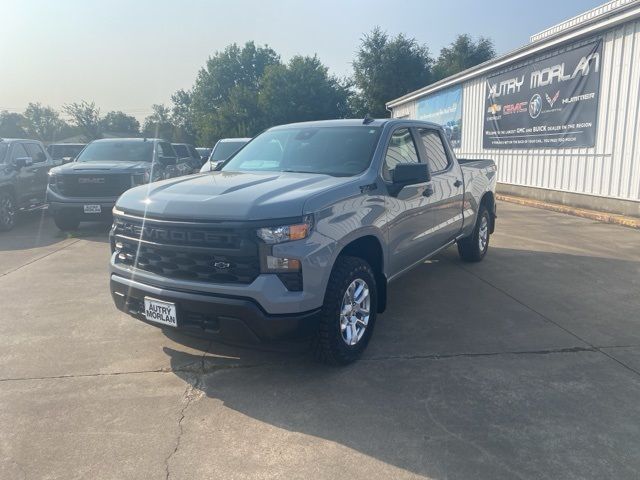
(93, 180)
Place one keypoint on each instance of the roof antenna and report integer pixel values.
(367, 119)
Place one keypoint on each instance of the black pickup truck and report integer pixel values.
(24, 165)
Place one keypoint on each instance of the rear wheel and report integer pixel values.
(65, 223)
(475, 246)
(348, 314)
(7, 211)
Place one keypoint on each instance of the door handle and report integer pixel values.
(457, 183)
(428, 191)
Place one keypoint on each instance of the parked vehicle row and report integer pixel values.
(223, 149)
(24, 165)
(87, 188)
(299, 233)
(90, 177)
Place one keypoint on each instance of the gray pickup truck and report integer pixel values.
(299, 233)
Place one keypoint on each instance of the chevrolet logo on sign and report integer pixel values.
(494, 108)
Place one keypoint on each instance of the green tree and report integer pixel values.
(300, 91)
(86, 117)
(463, 53)
(386, 68)
(120, 123)
(11, 125)
(42, 123)
(158, 124)
(225, 95)
(182, 117)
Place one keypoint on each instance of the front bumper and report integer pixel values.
(233, 319)
(74, 206)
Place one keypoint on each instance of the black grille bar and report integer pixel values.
(199, 253)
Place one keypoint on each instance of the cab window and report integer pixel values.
(401, 149)
(436, 156)
(35, 152)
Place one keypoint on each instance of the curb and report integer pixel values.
(604, 217)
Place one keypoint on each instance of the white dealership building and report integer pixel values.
(560, 115)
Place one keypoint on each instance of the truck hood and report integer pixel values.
(103, 166)
(228, 195)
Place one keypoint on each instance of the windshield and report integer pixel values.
(117, 151)
(224, 150)
(62, 151)
(181, 150)
(338, 151)
(3, 151)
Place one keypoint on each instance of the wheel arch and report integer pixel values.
(369, 248)
(488, 200)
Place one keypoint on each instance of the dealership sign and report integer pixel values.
(551, 103)
(445, 108)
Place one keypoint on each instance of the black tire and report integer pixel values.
(469, 248)
(65, 223)
(7, 211)
(329, 346)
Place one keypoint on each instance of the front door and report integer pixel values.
(24, 176)
(41, 166)
(408, 209)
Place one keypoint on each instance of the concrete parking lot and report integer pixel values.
(526, 365)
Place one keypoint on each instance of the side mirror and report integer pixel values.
(22, 162)
(215, 164)
(166, 161)
(410, 174)
(67, 160)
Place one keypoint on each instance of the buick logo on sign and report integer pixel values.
(535, 106)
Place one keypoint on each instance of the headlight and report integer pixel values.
(141, 178)
(286, 233)
(52, 179)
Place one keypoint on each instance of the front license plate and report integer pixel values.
(160, 312)
(92, 209)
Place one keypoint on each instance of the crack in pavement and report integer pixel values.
(546, 318)
(437, 356)
(4, 274)
(205, 369)
(190, 393)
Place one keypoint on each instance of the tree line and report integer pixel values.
(242, 90)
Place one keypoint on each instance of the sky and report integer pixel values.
(129, 54)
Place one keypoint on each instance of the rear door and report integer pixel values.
(446, 199)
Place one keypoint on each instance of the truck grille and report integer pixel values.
(94, 185)
(195, 252)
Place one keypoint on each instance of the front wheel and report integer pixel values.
(475, 246)
(7, 211)
(65, 223)
(348, 314)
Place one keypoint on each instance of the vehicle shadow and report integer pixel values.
(452, 408)
(36, 229)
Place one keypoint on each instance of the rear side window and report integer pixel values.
(166, 150)
(436, 156)
(35, 152)
(401, 150)
(193, 151)
(181, 150)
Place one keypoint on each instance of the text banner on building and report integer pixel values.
(552, 103)
(445, 108)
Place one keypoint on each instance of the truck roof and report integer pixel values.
(104, 140)
(354, 122)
